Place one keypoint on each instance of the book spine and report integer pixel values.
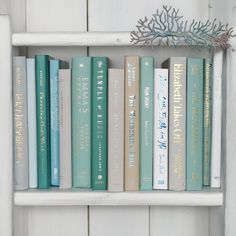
(132, 123)
(54, 122)
(216, 120)
(81, 122)
(146, 121)
(160, 157)
(43, 120)
(65, 127)
(116, 130)
(194, 123)
(32, 133)
(20, 123)
(177, 123)
(207, 121)
(99, 123)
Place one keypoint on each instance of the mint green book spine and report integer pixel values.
(194, 123)
(99, 123)
(81, 122)
(146, 122)
(43, 120)
(207, 121)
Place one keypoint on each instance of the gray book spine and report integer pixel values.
(65, 127)
(116, 130)
(20, 123)
(177, 122)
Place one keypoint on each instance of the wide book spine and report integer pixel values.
(207, 113)
(32, 131)
(216, 120)
(177, 122)
(81, 122)
(43, 120)
(194, 123)
(146, 122)
(160, 157)
(99, 122)
(65, 127)
(20, 123)
(131, 123)
(116, 130)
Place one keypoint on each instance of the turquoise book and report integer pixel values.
(81, 122)
(43, 120)
(99, 123)
(194, 123)
(146, 122)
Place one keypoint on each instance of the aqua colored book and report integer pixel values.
(99, 123)
(146, 122)
(81, 122)
(194, 123)
(43, 120)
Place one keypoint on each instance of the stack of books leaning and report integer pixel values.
(137, 128)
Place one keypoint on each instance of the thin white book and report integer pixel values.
(216, 119)
(160, 168)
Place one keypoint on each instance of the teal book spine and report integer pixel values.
(146, 122)
(81, 122)
(207, 121)
(99, 123)
(194, 123)
(43, 120)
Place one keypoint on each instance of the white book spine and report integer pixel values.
(32, 142)
(160, 168)
(216, 119)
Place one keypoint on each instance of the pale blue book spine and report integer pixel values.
(32, 142)
(54, 122)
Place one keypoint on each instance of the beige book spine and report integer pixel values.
(132, 123)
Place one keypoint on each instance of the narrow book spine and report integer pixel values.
(65, 128)
(116, 130)
(99, 123)
(160, 167)
(177, 122)
(132, 123)
(194, 123)
(146, 122)
(54, 122)
(207, 121)
(32, 132)
(20, 123)
(43, 120)
(81, 122)
(216, 120)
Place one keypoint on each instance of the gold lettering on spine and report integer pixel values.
(42, 114)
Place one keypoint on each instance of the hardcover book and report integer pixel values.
(20, 123)
(116, 130)
(160, 157)
(146, 121)
(194, 123)
(65, 127)
(131, 123)
(99, 123)
(43, 120)
(177, 122)
(81, 122)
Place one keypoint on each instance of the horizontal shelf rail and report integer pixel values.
(158, 198)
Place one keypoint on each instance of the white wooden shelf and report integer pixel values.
(76, 197)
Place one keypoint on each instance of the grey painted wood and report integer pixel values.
(16, 10)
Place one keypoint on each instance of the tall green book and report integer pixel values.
(81, 122)
(99, 123)
(207, 121)
(194, 123)
(43, 120)
(146, 122)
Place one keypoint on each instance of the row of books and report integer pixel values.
(140, 128)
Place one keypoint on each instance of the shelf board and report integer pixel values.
(155, 198)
